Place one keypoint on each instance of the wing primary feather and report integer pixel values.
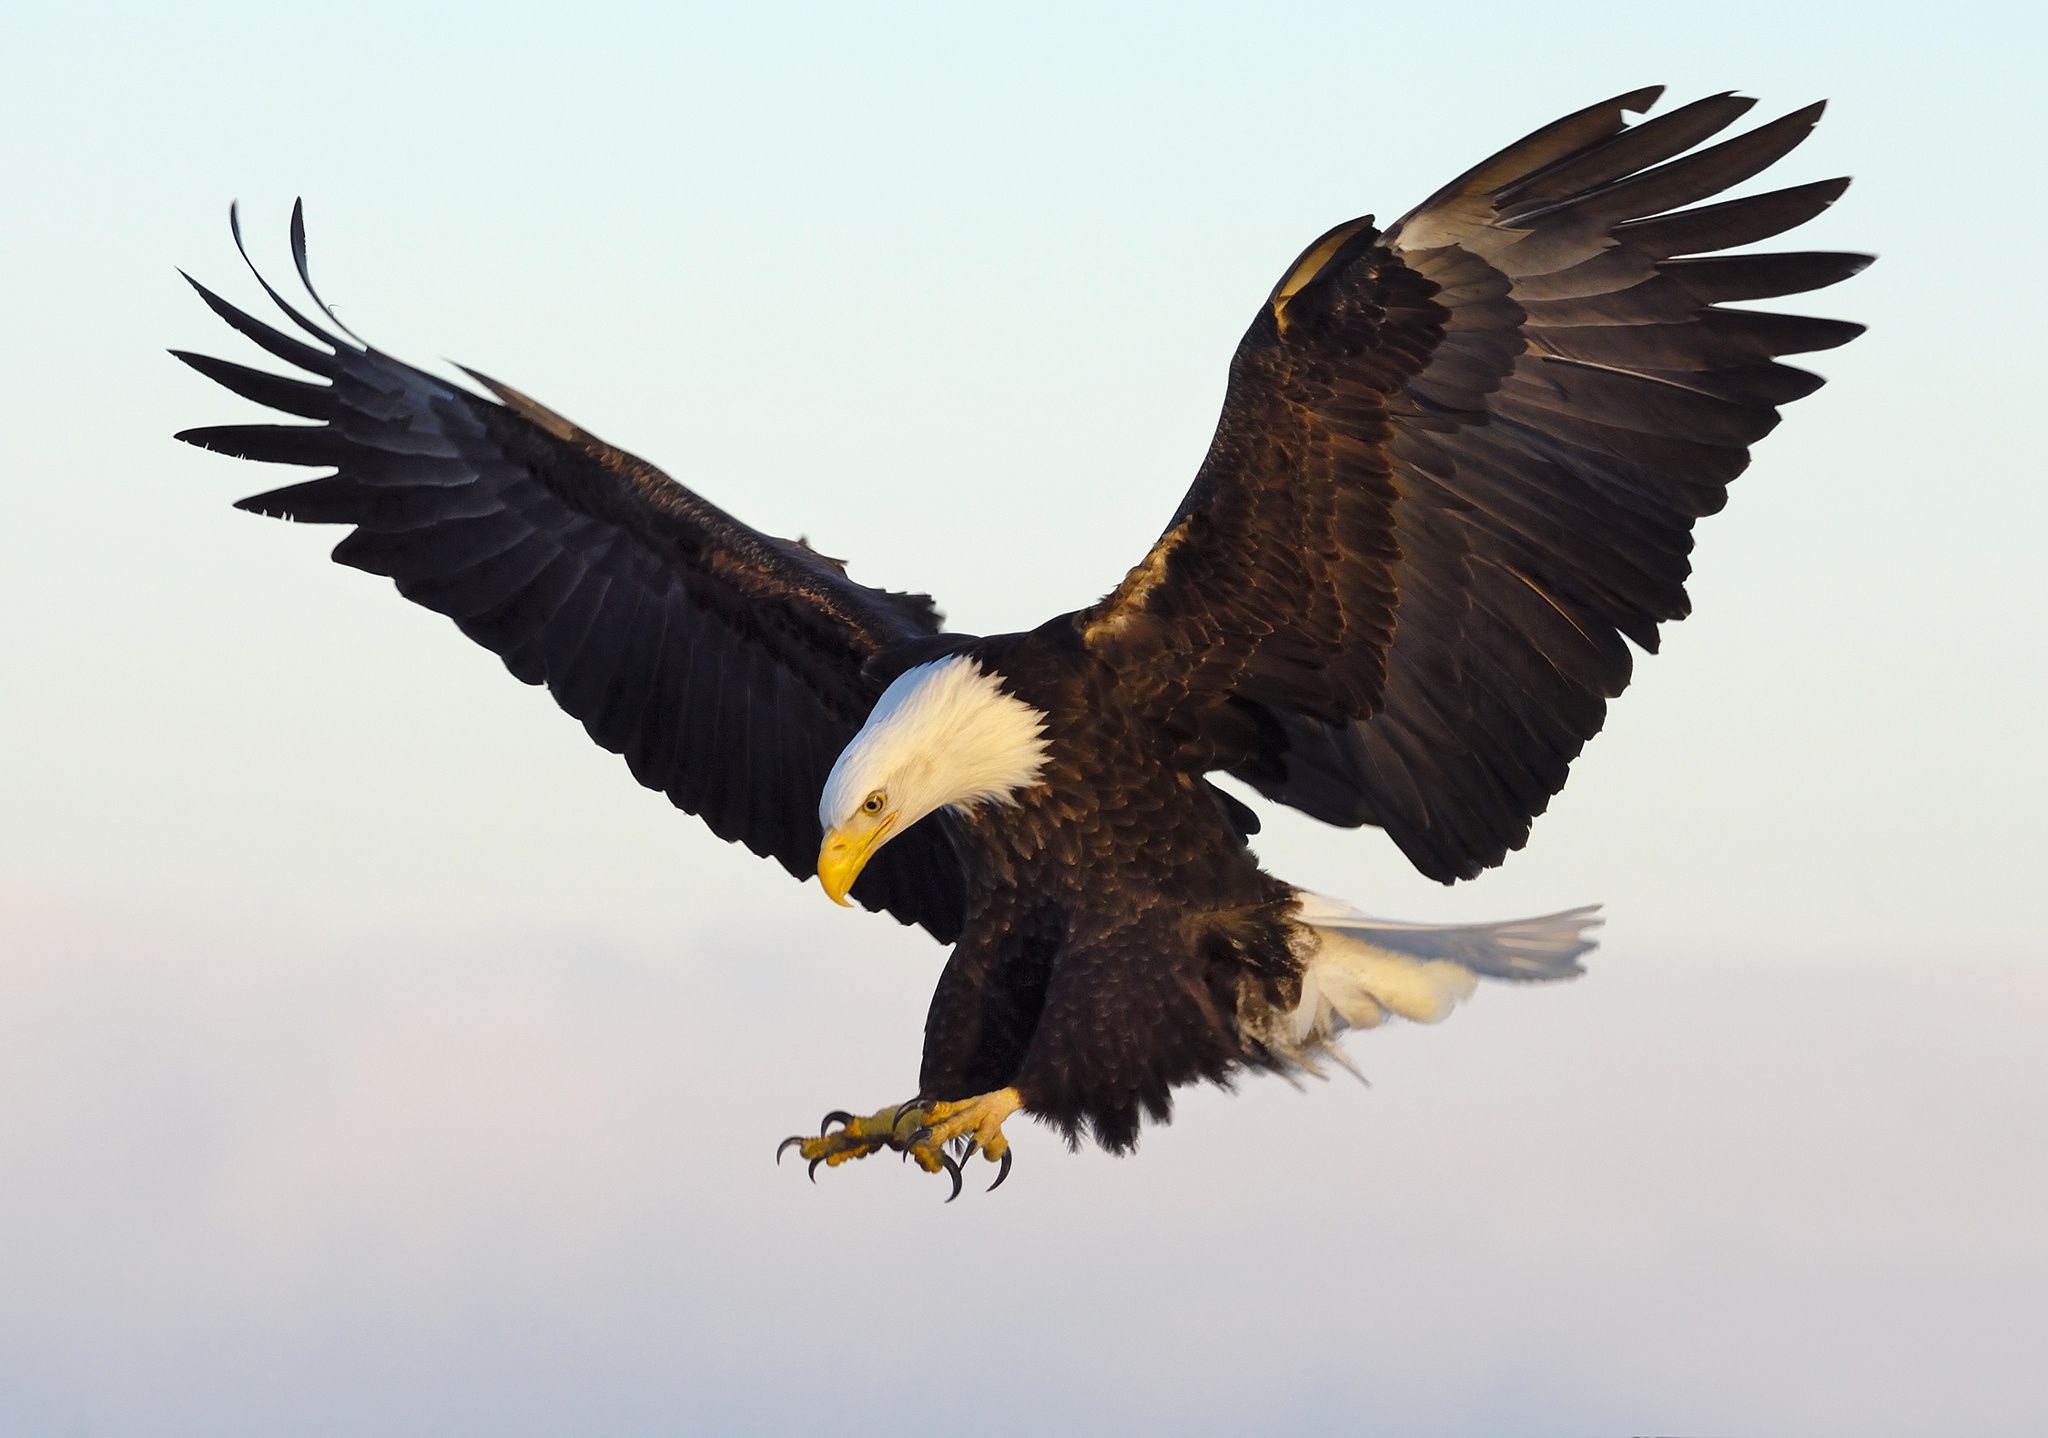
(298, 235)
(331, 500)
(282, 345)
(1715, 279)
(293, 396)
(306, 444)
(1728, 224)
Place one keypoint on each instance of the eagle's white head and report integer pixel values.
(944, 735)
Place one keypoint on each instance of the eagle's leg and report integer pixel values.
(919, 1130)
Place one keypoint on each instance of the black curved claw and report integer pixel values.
(919, 1137)
(1002, 1173)
(839, 1116)
(952, 1169)
(969, 1147)
(783, 1147)
(814, 1169)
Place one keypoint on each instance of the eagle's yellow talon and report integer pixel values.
(920, 1132)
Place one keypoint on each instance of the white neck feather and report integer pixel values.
(945, 734)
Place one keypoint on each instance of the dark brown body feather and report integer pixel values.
(1456, 474)
(1114, 915)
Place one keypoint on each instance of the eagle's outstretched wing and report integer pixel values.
(724, 664)
(1459, 461)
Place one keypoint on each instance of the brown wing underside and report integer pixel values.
(724, 664)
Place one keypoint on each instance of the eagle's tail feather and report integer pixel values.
(1365, 968)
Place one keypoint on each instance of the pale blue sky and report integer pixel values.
(376, 1057)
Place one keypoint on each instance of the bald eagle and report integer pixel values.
(1455, 477)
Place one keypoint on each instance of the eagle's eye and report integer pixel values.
(874, 802)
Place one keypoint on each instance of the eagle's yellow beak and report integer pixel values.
(844, 854)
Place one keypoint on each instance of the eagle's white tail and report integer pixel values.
(1363, 969)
